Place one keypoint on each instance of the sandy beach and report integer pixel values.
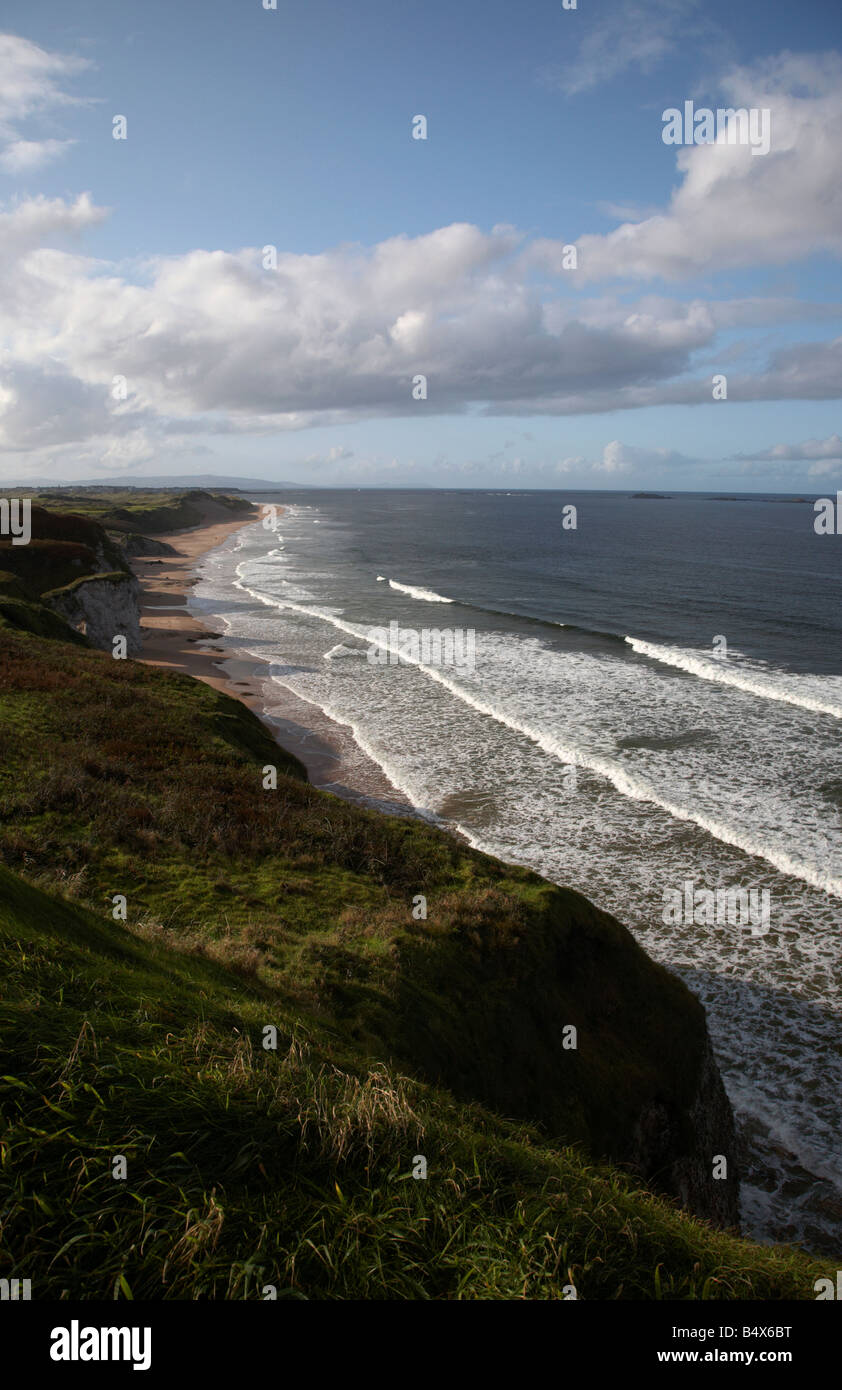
(171, 637)
(176, 641)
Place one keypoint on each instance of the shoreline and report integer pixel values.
(175, 640)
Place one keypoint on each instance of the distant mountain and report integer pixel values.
(200, 480)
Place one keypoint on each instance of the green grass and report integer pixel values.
(118, 779)
(292, 1168)
(118, 576)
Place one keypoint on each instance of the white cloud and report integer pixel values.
(209, 341)
(829, 468)
(629, 35)
(615, 459)
(337, 453)
(213, 333)
(20, 156)
(733, 208)
(819, 449)
(622, 458)
(32, 87)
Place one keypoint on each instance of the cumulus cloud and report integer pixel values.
(321, 337)
(211, 341)
(619, 458)
(805, 372)
(337, 453)
(43, 407)
(733, 208)
(20, 156)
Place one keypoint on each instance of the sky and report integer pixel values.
(271, 277)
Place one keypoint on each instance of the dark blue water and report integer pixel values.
(676, 571)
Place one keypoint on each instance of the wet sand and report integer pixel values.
(176, 641)
(169, 635)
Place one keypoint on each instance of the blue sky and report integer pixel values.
(291, 128)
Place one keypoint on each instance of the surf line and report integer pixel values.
(694, 665)
(626, 785)
(415, 591)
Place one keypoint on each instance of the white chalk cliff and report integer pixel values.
(102, 607)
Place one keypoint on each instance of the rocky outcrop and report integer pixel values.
(102, 607)
(133, 545)
(686, 1170)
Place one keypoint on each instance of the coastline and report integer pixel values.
(170, 633)
(175, 640)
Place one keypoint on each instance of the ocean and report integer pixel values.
(644, 707)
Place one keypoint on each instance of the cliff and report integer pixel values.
(165, 774)
(73, 568)
(137, 511)
(488, 986)
(295, 1166)
(64, 547)
(101, 607)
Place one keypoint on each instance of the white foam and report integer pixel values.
(635, 788)
(423, 595)
(393, 774)
(789, 689)
(341, 650)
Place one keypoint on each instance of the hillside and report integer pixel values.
(135, 510)
(247, 1168)
(64, 547)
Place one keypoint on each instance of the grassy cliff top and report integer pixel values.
(64, 547)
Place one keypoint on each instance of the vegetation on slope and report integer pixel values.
(70, 545)
(118, 779)
(62, 550)
(132, 510)
(249, 1168)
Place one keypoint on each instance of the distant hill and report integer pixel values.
(192, 480)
